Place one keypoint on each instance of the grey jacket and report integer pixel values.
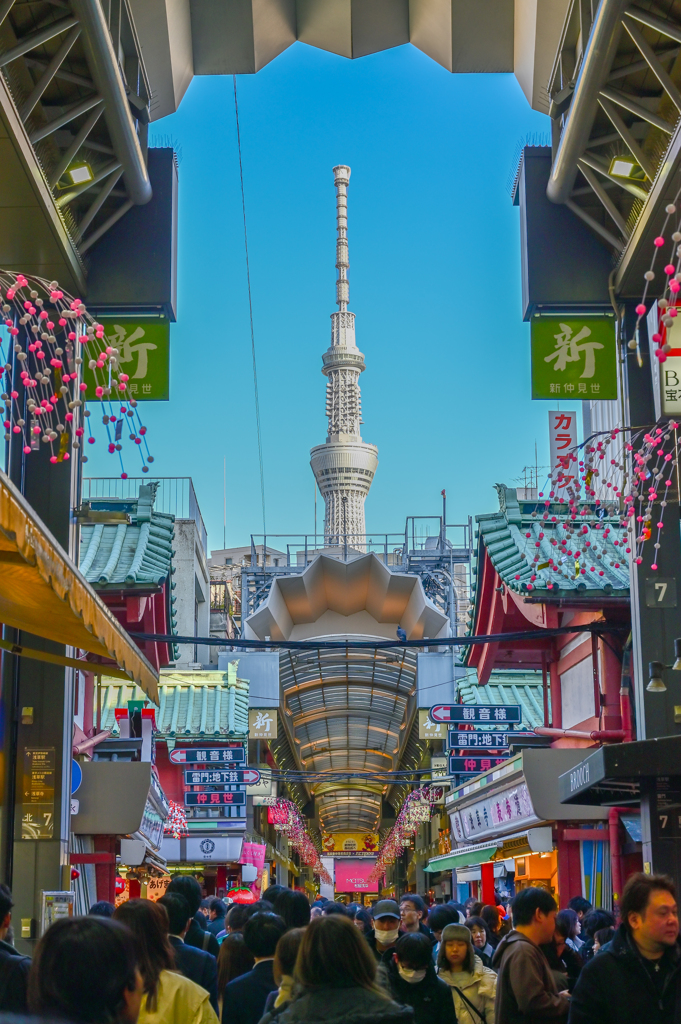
(343, 1006)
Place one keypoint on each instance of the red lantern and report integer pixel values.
(75, 873)
(242, 895)
(119, 886)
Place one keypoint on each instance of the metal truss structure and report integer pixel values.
(443, 564)
(76, 94)
(615, 102)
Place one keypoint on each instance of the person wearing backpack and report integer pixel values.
(473, 986)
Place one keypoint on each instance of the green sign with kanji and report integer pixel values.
(143, 353)
(574, 357)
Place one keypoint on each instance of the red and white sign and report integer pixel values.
(562, 441)
(353, 875)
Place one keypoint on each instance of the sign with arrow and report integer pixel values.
(470, 738)
(208, 755)
(492, 714)
(221, 776)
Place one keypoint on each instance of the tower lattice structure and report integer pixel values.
(344, 466)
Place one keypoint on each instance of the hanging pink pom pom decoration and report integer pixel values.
(55, 415)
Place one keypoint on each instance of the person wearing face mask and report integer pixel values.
(386, 915)
(473, 986)
(413, 981)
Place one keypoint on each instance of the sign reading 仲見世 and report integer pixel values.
(574, 357)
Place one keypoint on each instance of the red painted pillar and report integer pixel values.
(569, 869)
(105, 874)
(487, 871)
(556, 702)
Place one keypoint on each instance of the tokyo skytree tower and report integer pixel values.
(344, 466)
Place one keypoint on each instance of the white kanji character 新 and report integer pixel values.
(569, 351)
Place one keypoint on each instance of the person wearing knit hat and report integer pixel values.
(473, 986)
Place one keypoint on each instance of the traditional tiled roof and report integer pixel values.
(192, 705)
(524, 688)
(525, 538)
(128, 553)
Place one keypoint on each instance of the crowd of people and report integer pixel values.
(280, 960)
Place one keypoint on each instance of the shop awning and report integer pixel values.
(613, 774)
(43, 593)
(461, 858)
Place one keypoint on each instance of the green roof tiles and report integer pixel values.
(125, 554)
(508, 687)
(525, 538)
(192, 705)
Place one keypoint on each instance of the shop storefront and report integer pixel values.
(510, 830)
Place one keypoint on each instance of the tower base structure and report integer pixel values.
(344, 472)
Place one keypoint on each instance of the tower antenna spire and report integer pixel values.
(344, 466)
(341, 175)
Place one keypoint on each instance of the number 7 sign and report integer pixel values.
(661, 592)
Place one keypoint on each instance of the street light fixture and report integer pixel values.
(656, 683)
(79, 174)
(627, 169)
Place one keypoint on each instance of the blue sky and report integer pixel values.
(434, 282)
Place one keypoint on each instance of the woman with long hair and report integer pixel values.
(234, 959)
(335, 978)
(284, 965)
(85, 971)
(170, 998)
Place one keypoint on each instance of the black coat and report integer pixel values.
(198, 937)
(197, 966)
(343, 1006)
(245, 997)
(430, 999)
(14, 970)
(615, 987)
(381, 958)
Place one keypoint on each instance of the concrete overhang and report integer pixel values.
(182, 38)
(346, 598)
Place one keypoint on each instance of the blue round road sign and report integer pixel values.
(76, 776)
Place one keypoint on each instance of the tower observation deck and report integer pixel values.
(344, 466)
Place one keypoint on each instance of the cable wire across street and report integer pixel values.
(599, 628)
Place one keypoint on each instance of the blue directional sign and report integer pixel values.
(474, 764)
(213, 799)
(492, 714)
(477, 740)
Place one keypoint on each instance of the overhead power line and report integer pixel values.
(599, 628)
(250, 311)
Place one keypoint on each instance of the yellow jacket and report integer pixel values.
(178, 1001)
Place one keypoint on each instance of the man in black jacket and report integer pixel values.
(637, 976)
(245, 997)
(413, 911)
(386, 918)
(14, 967)
(193, 963)
(413, 981)
(187, 886)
